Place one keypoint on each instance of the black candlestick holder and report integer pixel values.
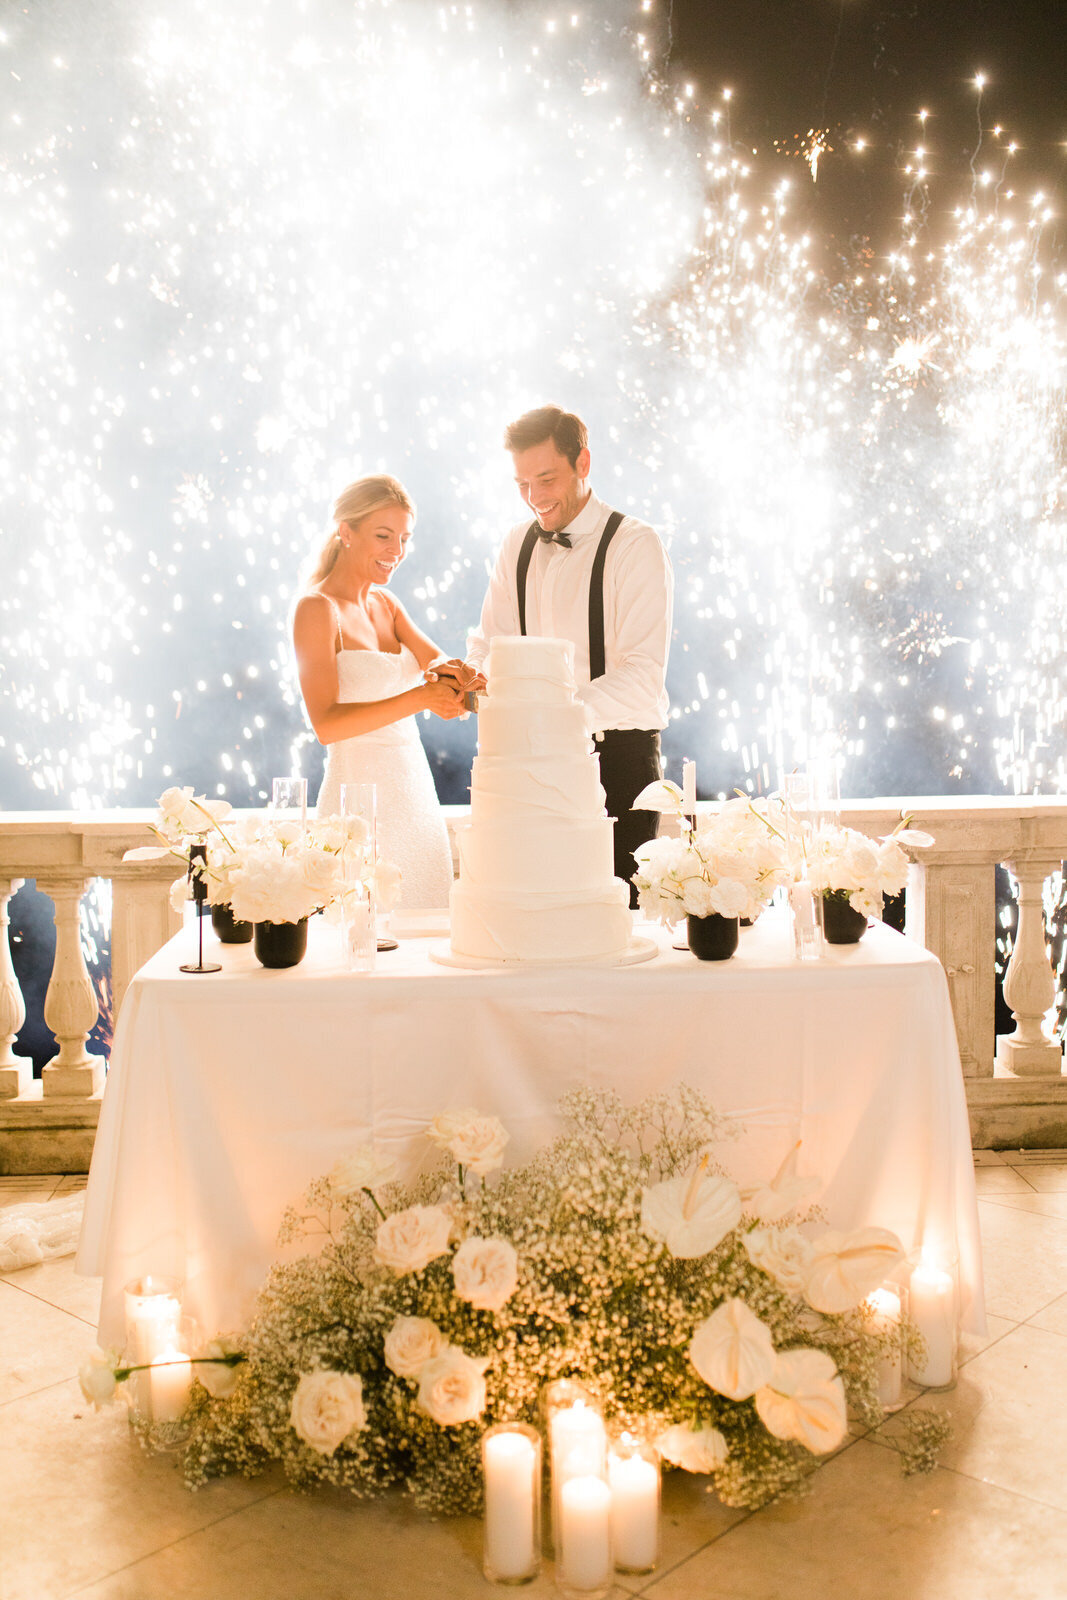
(198, 874)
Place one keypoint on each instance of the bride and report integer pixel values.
(363, 675)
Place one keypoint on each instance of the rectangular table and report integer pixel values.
(227, 1094)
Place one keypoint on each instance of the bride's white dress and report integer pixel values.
(411, 825)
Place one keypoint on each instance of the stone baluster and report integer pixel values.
(70, 1007)
(16, 1072)
(1029, 983)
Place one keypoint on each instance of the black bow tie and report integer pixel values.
(554, 538)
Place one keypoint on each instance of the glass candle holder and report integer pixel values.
(634, 1481)
(153, 1316)
(511, 1469)
(290, 796)
(358, 931)
(577, 1438)
(888, 1307)
(933, 1309)
(585, 1563)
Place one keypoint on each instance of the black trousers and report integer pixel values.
(629, 759)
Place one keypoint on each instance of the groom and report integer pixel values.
(583, 572)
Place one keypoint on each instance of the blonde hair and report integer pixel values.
(359, 500)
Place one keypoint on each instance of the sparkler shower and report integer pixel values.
(253, 249)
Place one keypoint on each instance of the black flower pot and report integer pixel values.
(227, 928)
(281, 944)
(841, 922)
(712, 938)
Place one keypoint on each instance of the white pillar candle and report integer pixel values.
(689, 787)
(583, 1539)
(512, 1492)
(153, 1316)
(886, 1308)
(932, 1308)
(170, 1382)
(578, 1440)
(634, 1484)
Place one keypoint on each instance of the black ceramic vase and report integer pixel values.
(227, 928)
(281, 944)
(841, 922)
(712, 938)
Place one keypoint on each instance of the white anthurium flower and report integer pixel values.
(804, 1400)
(914, 838)
(847, 1267)
(692, 1214)
(732, 1351)
(770, 1202)
(692, 1449)
(147, 852)
(661, 796)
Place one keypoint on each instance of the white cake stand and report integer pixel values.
(637, 950)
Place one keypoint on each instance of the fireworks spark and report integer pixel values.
(247, 262)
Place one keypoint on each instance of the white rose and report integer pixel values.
(409, 1240)
(97, 1377)
(452, 1387)
(486, 1272)
(387, 880)
(692, 1449)
(697, 898)
(732, 1351)
(218, 1377)
(730, 898)
(690, 1214)
(365, 1168)
(804, 1400)
(179, 894)
(477, 1142)
(783, 1253)
(410, 1343)
(328, 1408)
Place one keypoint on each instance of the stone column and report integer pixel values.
(951, 909)
(142, 920)
(16, 1072)
(1030, 983)
(70, 1008)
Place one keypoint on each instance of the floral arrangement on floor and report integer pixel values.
(843, 864)
(703, 1316)
(729, 864)
(267, 869)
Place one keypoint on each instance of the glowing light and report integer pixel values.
(364, 243)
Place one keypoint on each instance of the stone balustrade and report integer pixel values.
(1016, 1087)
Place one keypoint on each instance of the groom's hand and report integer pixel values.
(466, 677)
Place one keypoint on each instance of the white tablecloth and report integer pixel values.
(227, 1094)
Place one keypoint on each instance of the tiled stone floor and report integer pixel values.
(83, 1512)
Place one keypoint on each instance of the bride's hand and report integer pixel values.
(443, 698)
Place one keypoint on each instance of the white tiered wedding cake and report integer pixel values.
(536, 874)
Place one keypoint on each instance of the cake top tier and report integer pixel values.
(515, 657)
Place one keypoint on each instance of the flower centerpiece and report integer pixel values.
(715, 1319)
(271, 873)
(854, 873)
(726, 867)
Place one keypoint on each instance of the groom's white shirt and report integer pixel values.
(638, 602)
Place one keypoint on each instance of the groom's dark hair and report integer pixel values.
(568, 432)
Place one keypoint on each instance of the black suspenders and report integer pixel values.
(597, 658)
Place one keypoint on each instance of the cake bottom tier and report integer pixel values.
(495, 926)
